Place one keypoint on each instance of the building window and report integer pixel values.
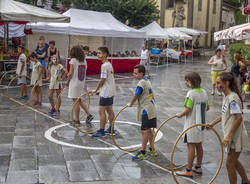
(200, 5)
(214, 7)
(170, 4)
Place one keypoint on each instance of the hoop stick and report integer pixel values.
(113, 138)
(178, 139)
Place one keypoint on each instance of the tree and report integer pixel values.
(239, 18)
(135, 13)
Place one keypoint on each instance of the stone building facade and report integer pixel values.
(198, 14)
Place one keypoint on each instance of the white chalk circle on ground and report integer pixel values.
(48, 135)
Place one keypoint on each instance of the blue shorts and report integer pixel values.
(42, 61)
(106, 101)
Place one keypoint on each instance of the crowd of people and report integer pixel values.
(45, 61)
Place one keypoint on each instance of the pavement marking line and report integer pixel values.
(48, 135)
(66, 124)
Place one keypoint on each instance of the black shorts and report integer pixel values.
(106, 101)
(147, 123)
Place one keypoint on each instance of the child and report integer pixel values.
(235, 133)
(21, 71)
(106, 85)
(55, 77)
(36, 78)
(76, 82)
(146, 112)
(196, 104)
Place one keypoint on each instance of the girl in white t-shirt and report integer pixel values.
(196, 105)
(76, 82)
(36, 78)
(234, 130)
(55, 71)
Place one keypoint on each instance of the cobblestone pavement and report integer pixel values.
(37, 148)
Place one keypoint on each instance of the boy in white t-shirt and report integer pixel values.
(21, 71)
(106, 91)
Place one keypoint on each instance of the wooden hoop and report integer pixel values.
(178, 139)
(72, 113)
(11, 71)
(153, 147)
(113, 138)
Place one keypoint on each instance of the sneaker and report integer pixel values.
(51, 111)
(77, 123)
(139, 156)
(108, 131)
(186, 173)
(150, 152)
(197, 170)
(99, 133)
(245, 182)
(25, 97)
(36, 103)
(88, 120)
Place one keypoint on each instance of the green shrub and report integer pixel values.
(245, 50)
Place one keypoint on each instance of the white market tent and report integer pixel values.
(15, 30)
(176, 34)
(154, 30)
(235, 32)
(188, 31)
(89, 23)
(88, 28)
(16, 11)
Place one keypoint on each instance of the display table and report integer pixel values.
(120, 64)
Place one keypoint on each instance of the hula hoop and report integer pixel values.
(178, 139)
(59, 114)
(11, 71)
(113, 138)
(154, 156)
(72, 113)
(7, 91)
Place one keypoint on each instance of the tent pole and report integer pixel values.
(184, 51)
(111, 48)
(192, 51)
(167, 51)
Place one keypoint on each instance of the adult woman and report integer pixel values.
(218, 65)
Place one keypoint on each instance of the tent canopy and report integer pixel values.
(235, 32)
(16, 11)
(89, 23)
(154, 30)
(176, 34)
(188, 31)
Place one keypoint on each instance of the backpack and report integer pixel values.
(81, 72)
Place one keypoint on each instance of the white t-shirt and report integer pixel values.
(219, 66)
(144, 54)
(76, 87)
(107, 73)
(21, 59)
(55, 72)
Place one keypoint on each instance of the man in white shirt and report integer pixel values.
(21, 72)
(106, 90)
(145, 59)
